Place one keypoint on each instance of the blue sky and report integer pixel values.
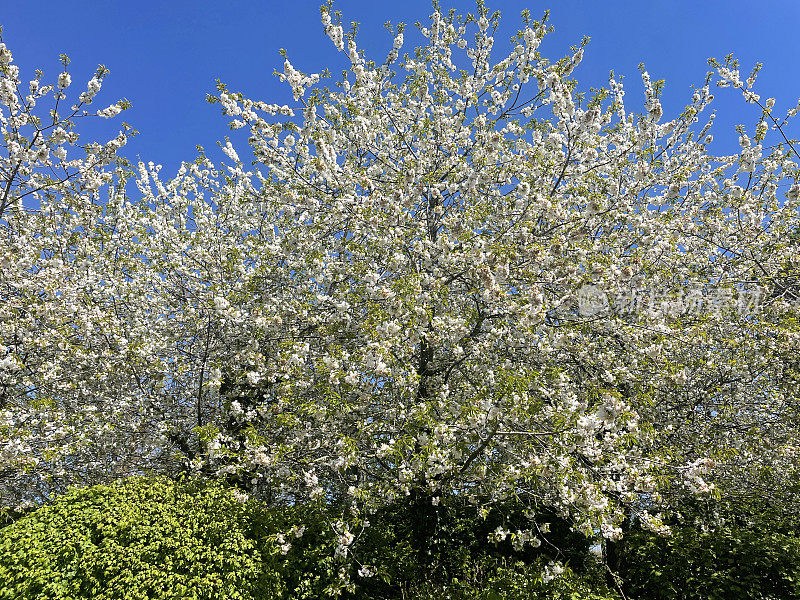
(164, 56)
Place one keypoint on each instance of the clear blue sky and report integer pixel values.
(164, 56)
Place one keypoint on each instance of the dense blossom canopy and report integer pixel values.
(445, 276)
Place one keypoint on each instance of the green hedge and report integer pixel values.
(136, 539)
(514, 581)
(752, 552)
(425, 551)
(154, 538)
(157, 539)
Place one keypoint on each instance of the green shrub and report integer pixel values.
(157, 539)
(505, 580)
(309, 570)
(425, 551)
(753, 552)
(138, 538)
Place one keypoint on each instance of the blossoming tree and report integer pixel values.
(429, 283)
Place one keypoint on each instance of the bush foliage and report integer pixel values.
(136, 539)
(748, 550)
(155, 538)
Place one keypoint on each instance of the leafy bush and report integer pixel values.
(154, 538)
(309, 569)
(751, 552)
(138, 538)
(505, 580)
(425, 551)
